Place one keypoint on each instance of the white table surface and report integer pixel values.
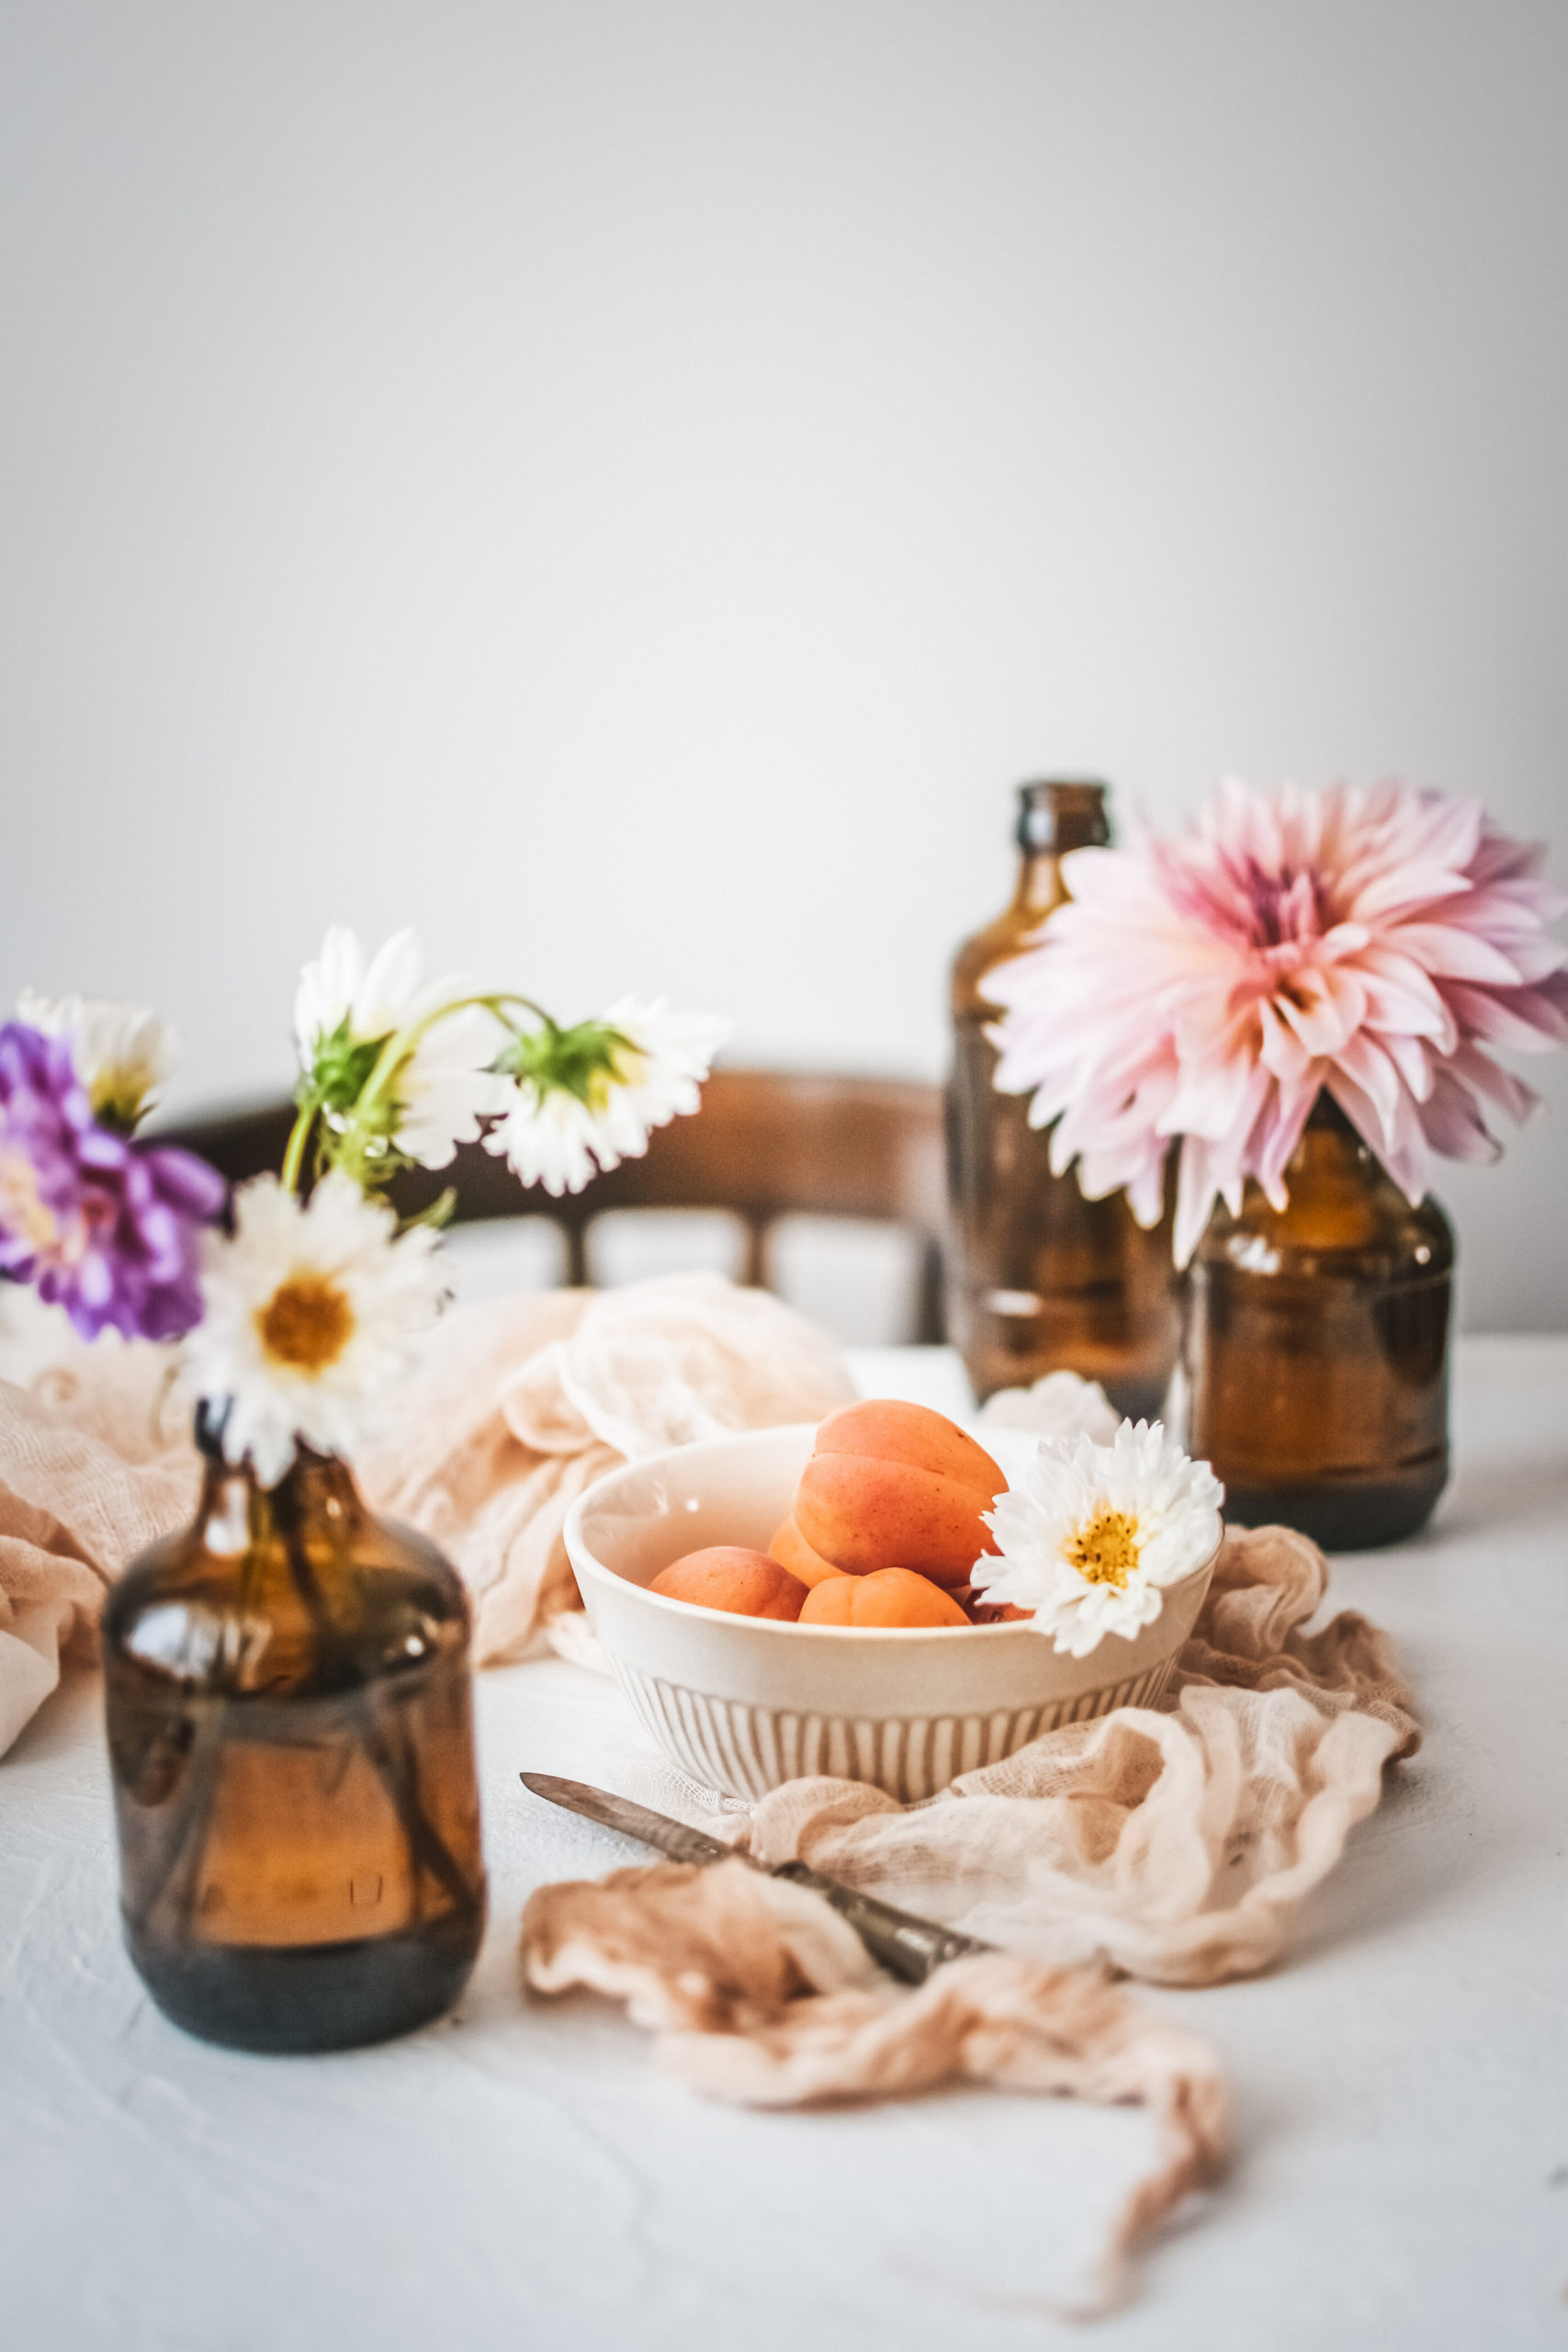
(518, 2178)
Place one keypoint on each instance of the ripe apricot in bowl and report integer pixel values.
(728, 1577)
(891, 1485)
(886, 1598)
(791, 1550)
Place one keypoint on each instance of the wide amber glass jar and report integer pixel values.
(291, 1743)
(1316, 1348)
(1039, 1279)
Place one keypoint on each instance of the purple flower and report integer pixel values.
(107, 1228)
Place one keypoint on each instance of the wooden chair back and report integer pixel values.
(766, 1143)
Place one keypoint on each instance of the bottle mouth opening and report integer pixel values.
(1062, 813)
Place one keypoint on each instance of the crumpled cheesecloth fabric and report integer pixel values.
(1177, 1842)
(1174, 1844)
(513, 1406)
(760, 1994)
(88, 1476)
(519, 1403)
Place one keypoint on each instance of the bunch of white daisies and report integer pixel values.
(296, 1318)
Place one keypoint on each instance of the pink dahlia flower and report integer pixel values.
(1378, 943)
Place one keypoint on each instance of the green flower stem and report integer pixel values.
(298, 1136)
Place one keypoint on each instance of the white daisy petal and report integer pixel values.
(124, 1055)
(385, 997)
(327, 989)
(446, 1086)
(1058, 1405)
(549, 1138)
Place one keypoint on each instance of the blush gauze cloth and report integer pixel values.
(1178, 1842)
(521, 1403)
(92, 1468)
(759, 1993)
(513, 1407)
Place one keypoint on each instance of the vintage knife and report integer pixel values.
(910, 1948)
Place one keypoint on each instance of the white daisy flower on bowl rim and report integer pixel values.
(1092, 1535)
(346, 1006)
(309, 1310)
(124, 1054)
(591, 1095)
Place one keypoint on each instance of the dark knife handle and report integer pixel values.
(910, 1948)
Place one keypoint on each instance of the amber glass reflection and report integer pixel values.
(1038, 1278)
(291, 1741)
(1316, 1348)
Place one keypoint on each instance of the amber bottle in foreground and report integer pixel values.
(1316, 1348)
(1040, 1279)
(291, 1743)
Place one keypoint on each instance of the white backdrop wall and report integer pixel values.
(630, 484)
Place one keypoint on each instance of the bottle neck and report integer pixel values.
(1330, 1141)
(1040, 888)
(235, 1505)
(1054, 816)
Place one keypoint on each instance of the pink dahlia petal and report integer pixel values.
(1401, 996)
(1275, 1143)
(1453, 1123)
(1281, 1047)
(1411, 1059)
(1529, 1021)
(1197, 1190)
(1478, 1071)
(1445, 952)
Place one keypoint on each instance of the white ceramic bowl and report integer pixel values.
(743, 1704)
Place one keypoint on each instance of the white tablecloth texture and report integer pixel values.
(517, 2178)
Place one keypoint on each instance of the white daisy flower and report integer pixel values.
(591, 1095)
(549, 1138)
(124, 1055)
(1092, 1534)
(346, 1010)
(309, 1309)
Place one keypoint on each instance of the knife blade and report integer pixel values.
(909, 1947)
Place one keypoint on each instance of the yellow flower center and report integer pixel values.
(306, 1324)
(1105, 1550)
(628, 1067)
(118, 1090)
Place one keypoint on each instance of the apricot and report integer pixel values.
(726, 1576)
(996, 1612)
(891, 1485)
(885, 1597)
(792, 1551)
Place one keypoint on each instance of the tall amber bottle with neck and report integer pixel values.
(1040, 1279)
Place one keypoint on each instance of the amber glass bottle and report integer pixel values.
(291, 1743)
(1316, 1348)
(1041, 1279)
